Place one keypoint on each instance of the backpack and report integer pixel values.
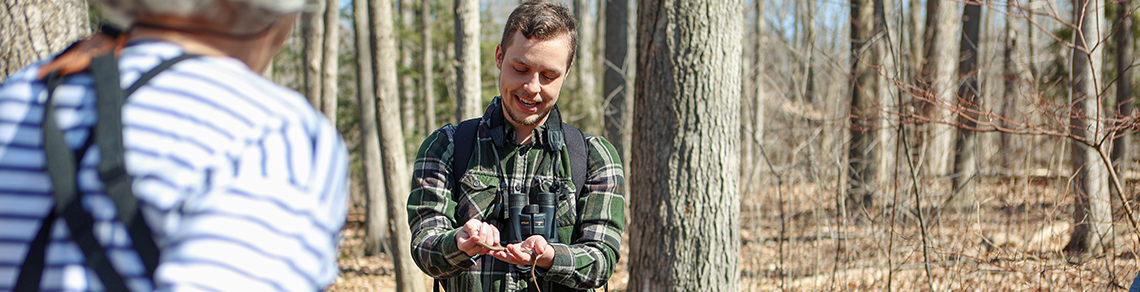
(97, 56)
(467, 133)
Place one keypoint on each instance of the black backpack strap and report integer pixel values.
(62, 166)
(112, 166)
(32, 269)
(576, 144)
(466, 135)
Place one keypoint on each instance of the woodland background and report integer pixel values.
(824, 144)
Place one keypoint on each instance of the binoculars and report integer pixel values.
(528, 219)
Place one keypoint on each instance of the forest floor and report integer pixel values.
(1013, 242)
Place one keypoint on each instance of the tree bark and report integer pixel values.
(805, 13)
(916, 36)
(312, 53)
(685, 234)
(1124, 56)
(397, 178)
(376, 213)
(1092, 213)
(587, 89)
(36, 29)
(1011, 81)
(407, 83)
(428, 63)
(966, 146)
(886, 139)
(862, 152)
(942, 30)
(329, 67)
(752, 121)
(618, 80)
(467, 67)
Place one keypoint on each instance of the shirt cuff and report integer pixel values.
(563, 267)
(450, 249)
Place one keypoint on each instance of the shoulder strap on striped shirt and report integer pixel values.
(62, 167)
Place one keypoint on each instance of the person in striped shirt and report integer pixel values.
(458, 226)
(242, 183)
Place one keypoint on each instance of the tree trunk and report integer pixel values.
(1011, 78)
(1092, 213)
(862, 152)
(942, 30)
(428, 63)
(748, 57)
(885, 92)
(916, 36)
(312, 54)
(467, 67)
(1124, 100)
(805, 13)
(407, 83)
(966, 146)
(376, 213)
(397, 178)
(587, 102)
(753, 121)
(685, 234)
(329, 69)
(618, 80)
(36, 29)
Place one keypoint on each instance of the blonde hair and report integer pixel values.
(253, 13)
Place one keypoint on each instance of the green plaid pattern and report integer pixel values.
(585, 261)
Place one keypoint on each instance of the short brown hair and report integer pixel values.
(542, 20)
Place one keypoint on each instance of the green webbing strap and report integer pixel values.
(112, 166)
(62, 166)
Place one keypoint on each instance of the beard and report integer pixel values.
(523, 118)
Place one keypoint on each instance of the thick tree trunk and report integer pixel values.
(36, 29)
(966, 146)
(942, 30)
(862, 152)
(588, 103)
(428, 63)
(467, 60)
(407, 83)
(397, 178)
(312, 53)
(685, 235)
(1093, 214)
(376, 204)
(329, 68)
(617, 84)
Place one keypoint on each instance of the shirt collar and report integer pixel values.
(502, 131)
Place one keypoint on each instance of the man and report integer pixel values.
(241, 182)
(460, 225)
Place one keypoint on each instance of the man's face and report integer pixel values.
(531, 72)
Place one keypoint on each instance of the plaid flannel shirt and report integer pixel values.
(584, 261)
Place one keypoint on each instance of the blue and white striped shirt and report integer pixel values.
(243, 183)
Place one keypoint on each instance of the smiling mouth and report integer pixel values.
(531, 106)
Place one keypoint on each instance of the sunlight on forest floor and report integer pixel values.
(1012, 243)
